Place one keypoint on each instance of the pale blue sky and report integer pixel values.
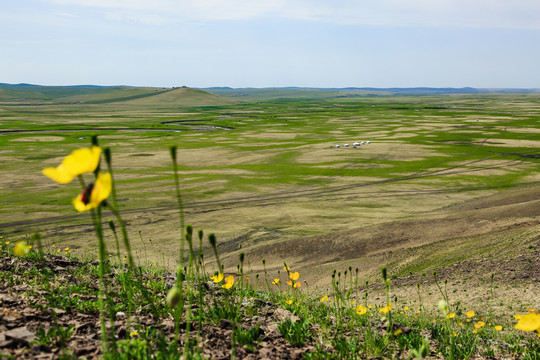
(264, 43)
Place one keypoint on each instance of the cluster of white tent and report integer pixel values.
(355, 144)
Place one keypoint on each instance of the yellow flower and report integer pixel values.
(450, 316)
(498, 327)
(290, 283)
(470, 313)
(460, 323)
(134, 333)
(324, 298)
(297, 285)
(217, 278)
(7, 242)
(66, 249)
(475, 331)
(529, 322)
(275, 282)
(289, 302)
(286, 268)
(229, 282)
(517, 316)
(294, 276)
(21, 248)
(361, 310)
(406, 308)
(386, 308)
(479, 324)
(78, 162)
(94, 194)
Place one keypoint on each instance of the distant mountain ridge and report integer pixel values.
(182, 95)
(396, 90)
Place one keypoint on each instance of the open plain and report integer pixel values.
(448, 180)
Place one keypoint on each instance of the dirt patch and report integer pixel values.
(38, 138)
(515, 143)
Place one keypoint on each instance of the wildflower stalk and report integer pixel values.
(190, 283)
(180, 203)
(419, 298)
(114, 208)
(96, 219)
(266, 275)
(491, 297)
(213, 243)
(112, 226)
(387, 282)
(444, 293)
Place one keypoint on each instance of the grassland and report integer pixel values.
(449, 183)
(265, 178)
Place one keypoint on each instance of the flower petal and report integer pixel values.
(58, 174)
(82, 161)
(529, 322)
(102, 189)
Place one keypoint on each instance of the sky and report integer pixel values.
(272, 43)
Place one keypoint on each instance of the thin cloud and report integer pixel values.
(67, 15)
(518, 14)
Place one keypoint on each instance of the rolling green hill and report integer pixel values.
(89, 94)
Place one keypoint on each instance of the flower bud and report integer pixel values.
(174, 296)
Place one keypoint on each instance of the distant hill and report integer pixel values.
(92, 94)
(309, 92)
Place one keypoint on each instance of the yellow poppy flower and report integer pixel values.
(479, 324)
(406, 308)
(498, 327)
(21, 248)
(386, 308)
(324, 298)
(94, 194)
(217, 278)
(297, 285)
(529, 322)
(134, 333)
(275, 282)
(294, 276)
(450, 316)
(286, 268)
(78, 162)
(289, 302)
(361, 310)
(229, 282)
(470, 313)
